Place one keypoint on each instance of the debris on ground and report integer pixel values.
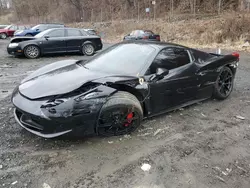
(203, 115)
(145, 134)
(246, 44)
(13, 183)
(45, 185)
(221, 179)
(157, 131)
(110, 142)
(1, 166)
(146, 167)
(127, 136)
(240, 117)
(142, 130)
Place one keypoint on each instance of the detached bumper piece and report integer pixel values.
(32, 124)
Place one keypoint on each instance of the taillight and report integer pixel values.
(158, 38)
(145, 37)
(236, 54)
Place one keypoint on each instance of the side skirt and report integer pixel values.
(177, 107)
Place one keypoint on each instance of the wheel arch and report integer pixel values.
(89, 42)
(5, 33)
(32, 44)
(133, 91)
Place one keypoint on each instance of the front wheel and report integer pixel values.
(122, 114)
(32, 52)
(224, 84)
(88, 49)
(3, 36)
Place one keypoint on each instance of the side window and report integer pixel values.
(57, 33)
(20, 27)
(74, 33)
(13, 27)
(137, 32)
(42, 27)
(132, 33)
(84, 33)
(169, 58)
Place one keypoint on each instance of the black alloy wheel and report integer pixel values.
(122, 114)
(224, 84)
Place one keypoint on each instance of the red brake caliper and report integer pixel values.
(129, 119)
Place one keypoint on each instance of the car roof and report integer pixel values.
(50, 24)
(156, 44)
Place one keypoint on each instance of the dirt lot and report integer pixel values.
(203, 146)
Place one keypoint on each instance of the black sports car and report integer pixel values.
(111, 93)
(52, 41)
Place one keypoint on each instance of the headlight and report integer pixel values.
(87, 96)
(13, 45)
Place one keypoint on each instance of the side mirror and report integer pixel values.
(160, 73)
(46, 37)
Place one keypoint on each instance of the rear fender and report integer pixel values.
(209, 72)
(89, 42)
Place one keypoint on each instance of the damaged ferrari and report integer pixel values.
(111, 93)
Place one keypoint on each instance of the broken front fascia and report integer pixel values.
(85, 103)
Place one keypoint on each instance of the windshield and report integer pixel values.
(43, 33)
(35, 27)
(123, 59)
(7, 27)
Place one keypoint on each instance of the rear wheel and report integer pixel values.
(3, 36)
(88, 49)
(32, 52)
(224, 84)
(122, 114)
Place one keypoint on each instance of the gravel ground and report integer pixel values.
(203, 146)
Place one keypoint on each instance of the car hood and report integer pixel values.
(21, 39)
(62, 77)
(3, 30)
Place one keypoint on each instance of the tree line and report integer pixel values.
(32, 11)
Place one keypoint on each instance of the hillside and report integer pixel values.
(228, 30)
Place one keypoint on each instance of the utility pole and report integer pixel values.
(138, 11)
(154, 3)
(195, 7)
(111, 13)
(219, 7)
(101, 15)
(92, 15)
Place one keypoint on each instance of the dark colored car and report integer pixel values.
(52, 41)
(37, 29)
(9, 30)
(142, 35)
(111, 93)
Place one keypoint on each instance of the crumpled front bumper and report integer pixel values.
(26, 126)
(30, 116)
